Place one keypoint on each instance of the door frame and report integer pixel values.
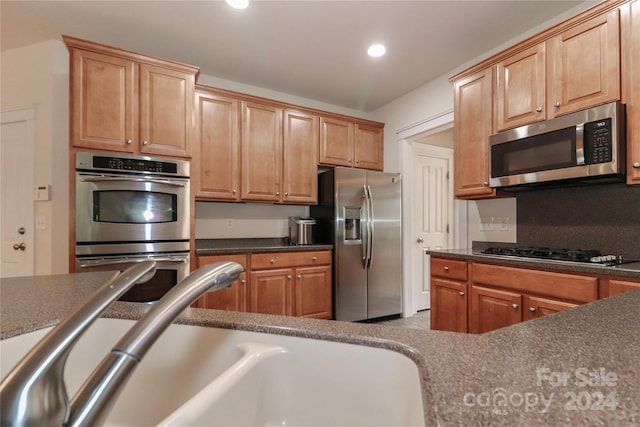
(458, 235)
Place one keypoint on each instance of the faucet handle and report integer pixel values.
(34, 393)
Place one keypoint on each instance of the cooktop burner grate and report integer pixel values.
(575, 255)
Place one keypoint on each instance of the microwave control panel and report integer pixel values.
(598, 141)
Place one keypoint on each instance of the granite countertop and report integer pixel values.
(576, 367)
(226, 246)
(631, 270)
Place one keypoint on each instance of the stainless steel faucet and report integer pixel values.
(34, 393)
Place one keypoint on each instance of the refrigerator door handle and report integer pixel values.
(370, 234)
(364, 228)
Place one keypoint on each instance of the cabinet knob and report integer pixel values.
(556, 104)
(445, 268)
(315, 258)
(129, 142)
(539, 109)
(461, 294)
(277, 193)
(636, 165)
(299, 276)
(349, 161)
(234, 191)
(486, 183)
(532, 309)
(272, 261)
(515, 306)
(286, 194)
(243, 281)
(289, 276)
(145, 142)
(357, 161)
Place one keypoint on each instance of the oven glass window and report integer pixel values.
(134, 207)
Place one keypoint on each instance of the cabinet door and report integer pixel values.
(535, 307)
(232, 298)
(166, 111)
(270, 292)
(584, 65)
(216, 166)
(631, 86)
(493, 309)
(313, 294)
(448, 305)
(368, 147)
(472, 127)
(611, 287)
(520, 89)
(261, 152)
(300, 165)
(336, 142)
(103, 92)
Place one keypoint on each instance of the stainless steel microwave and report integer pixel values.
(585, 144)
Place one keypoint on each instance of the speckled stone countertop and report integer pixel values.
(631, 270)
(226, 246)
(577, 367)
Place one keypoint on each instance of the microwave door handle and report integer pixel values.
(130, 261)
(126, 179)
(580, 144)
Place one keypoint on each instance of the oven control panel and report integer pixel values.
(131, 164)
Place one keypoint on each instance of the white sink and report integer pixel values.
(307, 383)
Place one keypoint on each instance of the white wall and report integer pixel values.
(39, 74)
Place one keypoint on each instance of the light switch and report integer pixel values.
(504, 223)
(486, 224)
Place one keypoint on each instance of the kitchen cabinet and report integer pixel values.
(300, 157)
(232, 298)
(472, 127)
(519, 96)
(449, 296)
(498, 294)
(630, 20)
(291, 283)
(216, 163)
(351, 144)
(584, 65)
(614, 286)
(124, 101)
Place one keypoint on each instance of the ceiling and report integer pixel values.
(306, 48)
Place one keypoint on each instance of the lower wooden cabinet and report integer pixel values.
(535, 307)
(281, 283)
(448, 305)
(493, 309)
(610, 287)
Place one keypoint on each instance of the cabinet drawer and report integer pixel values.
(559, 285)
(210, 259)
(449, 268)
(289, 259)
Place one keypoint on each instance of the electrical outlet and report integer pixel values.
(229, 223)
(486, 224)
(504, 223)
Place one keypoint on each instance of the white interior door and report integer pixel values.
(431, 213)
(17, 159)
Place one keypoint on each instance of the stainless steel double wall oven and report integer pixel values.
(130, 209)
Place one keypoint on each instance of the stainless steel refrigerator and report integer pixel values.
(359, 212)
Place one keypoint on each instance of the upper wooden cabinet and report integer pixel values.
(631, 85)
(300, 157)
(215, 166)
(351, 144)
(520, 89)
(472, 127)
(584, 65)
(124, 101)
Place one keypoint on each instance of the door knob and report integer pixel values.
(420, 240)
(19, 247)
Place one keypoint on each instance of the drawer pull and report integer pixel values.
(515, 306)
(315, 258)
(532, 309)
(272, 261)
(299, 276)
(445, 268)
(289, 276)
(461, 294)
(243, 281)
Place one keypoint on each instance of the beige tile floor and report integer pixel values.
(419, 320)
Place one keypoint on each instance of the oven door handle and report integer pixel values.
(87, 264)
(126, 179)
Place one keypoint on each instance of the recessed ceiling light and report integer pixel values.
(238, 4)
(376, 50)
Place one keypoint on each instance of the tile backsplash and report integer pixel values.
(605, 217)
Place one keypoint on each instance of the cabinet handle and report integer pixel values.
(277, 193)
(556, 104)
(539, 109)
(129, 142)
(299, 276)
(289, 276)
(636, 165)
(515, 306)
(461, 294)
(445, 268)
(243, 281)
(349, 161)
(234, 191)
(272, 261)
(532, 309)
(145, 142)
(357, 161)
(486, 183)
(286, 194)
(315, 258)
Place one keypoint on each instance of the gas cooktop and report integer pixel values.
(574, 255)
